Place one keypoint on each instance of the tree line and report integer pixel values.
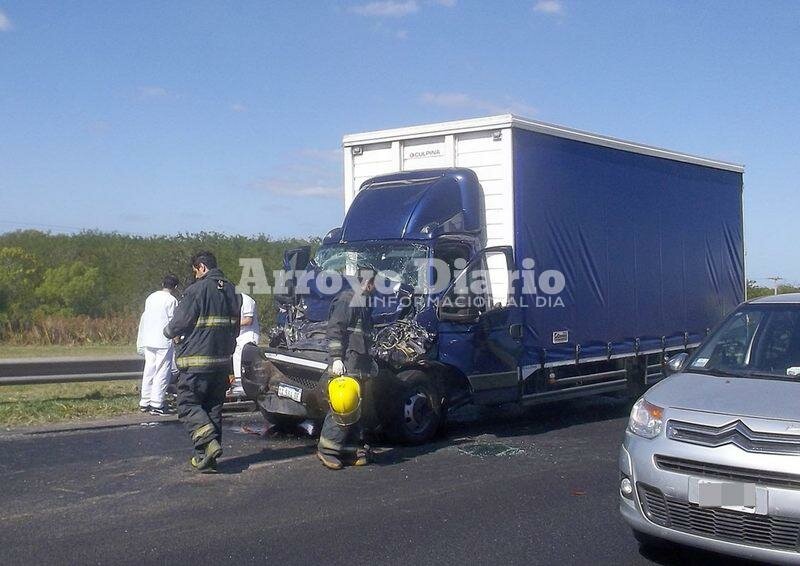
(754, 290)
(91, 286)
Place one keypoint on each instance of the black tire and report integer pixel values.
(415, 409)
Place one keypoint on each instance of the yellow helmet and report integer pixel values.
(344, 397)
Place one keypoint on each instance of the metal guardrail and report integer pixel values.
(69, 370)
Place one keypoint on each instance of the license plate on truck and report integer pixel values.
(290, 392)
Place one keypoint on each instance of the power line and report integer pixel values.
(34, 225)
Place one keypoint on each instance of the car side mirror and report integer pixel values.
(676, 363)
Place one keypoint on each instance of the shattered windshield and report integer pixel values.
(756, 341)
(397, 261)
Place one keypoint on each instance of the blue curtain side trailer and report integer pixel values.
(651, 249)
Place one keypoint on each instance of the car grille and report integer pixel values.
(736, 433)
(307, 383)
(717, 523)
(746, 475)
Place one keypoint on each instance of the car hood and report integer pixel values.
(758, 398)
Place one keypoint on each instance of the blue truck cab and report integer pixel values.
(595, 259)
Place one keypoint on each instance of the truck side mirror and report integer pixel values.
(293, 260)
(296, 258)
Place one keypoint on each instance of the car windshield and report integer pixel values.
(756, 341)
(396, 261)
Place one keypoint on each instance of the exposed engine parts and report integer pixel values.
(402, 343)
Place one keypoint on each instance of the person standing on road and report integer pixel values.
(204, 328)
(156, 348)
(349, 340)
(249, 330)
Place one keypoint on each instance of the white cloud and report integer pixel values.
(152, 92)
(294, 188)
(549, 7)
(446, 3)
(238, 107)
(5, 23)
(401, 34)
(387, 8)
(460, 100)
(308, 172)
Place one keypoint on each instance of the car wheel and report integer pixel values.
(416, 413)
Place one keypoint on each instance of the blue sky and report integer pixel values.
(154, 117)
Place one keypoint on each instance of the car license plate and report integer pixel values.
(726, 494)
(293, 393)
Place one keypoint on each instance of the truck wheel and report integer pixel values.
(416, 409)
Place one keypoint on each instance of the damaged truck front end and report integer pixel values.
(398, 224)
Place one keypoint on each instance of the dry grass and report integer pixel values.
(36, 404)
(70, 331)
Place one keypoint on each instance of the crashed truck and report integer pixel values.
(605, 258)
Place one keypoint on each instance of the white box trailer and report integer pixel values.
(484, 145)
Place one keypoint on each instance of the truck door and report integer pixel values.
(480, 326)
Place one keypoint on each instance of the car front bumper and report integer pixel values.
(637, 461)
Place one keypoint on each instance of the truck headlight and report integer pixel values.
(646, 419)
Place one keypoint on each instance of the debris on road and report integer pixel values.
(487, 449)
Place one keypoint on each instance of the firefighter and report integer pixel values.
(349, 340)
(204, 327)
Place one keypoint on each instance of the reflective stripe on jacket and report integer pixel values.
(207, 319)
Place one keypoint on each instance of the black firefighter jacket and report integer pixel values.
(208, 319)
(349, 328)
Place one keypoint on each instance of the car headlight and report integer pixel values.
(646, 419)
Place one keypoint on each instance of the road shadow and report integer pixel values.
(462, 428)
(670, 554)
(514, 420)
(506, 422)
(239, 464)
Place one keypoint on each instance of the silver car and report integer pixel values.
(711, 456)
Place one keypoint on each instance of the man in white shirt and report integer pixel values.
(249, 330)
(156, 348)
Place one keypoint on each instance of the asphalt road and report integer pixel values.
(505, 487)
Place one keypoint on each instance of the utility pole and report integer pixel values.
(775, 279)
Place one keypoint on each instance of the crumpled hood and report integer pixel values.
(759, 398)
